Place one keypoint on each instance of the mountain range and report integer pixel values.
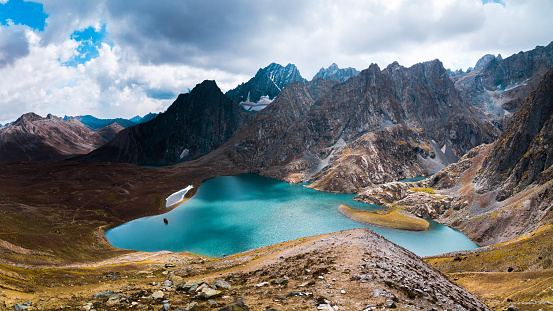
(484, 135)
(34, 138)
(498, 191)
(37, 139)
(96, 123)
(379, 126)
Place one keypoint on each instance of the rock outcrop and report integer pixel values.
(34, 138)
(336, 73)
(195, 124)
(380, 126)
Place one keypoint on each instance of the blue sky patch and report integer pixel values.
(90, 40)
(493, 1)
(21, 12)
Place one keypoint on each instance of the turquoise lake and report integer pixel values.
(231, 214)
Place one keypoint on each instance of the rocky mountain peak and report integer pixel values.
(266, 84)
(203, 95)
(195, 124)
(28, 117)
(371, 73)
(334, 72)
(483, 61)
(393, 66)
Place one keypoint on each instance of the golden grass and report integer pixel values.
(426, 190)
(390, 218)
(486, 274)
(526, 290)
(532, 251)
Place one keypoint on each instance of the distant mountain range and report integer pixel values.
(34, 138)
(96, 123)
(38, 139)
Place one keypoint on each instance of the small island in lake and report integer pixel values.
(389, 218)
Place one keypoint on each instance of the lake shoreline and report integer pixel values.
(295, 220)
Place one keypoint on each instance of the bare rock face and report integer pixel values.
(496, 192)
(378, 157)
(423, 198)
(252, 146)
(500, 85)
(523, 154)
(38, 139)
(379, 126)
(195, 124)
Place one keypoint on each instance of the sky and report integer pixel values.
(115, 58)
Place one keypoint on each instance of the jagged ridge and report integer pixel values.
(336, 73)
(421, 100)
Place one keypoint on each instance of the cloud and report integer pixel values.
(149, 51)
(13, 44)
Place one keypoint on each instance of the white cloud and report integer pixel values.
(166, 47)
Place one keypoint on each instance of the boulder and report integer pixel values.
(238, 305)
(158, 295)
(221, 284)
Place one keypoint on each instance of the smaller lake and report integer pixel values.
(231, 214)
(414, 179)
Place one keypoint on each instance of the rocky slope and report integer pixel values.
(495, 192)
(336, 73)
(34, 138)
(349, 270)
(500, 85)
(267, 83)
(380, 126)
(195, 124)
